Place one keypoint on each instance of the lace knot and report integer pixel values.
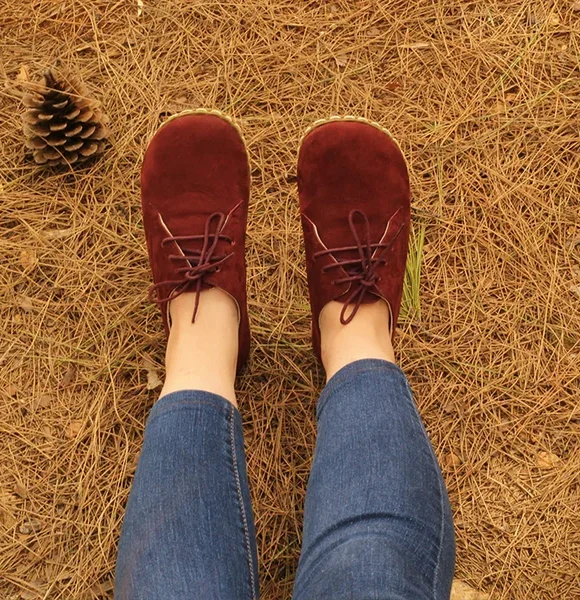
(198, 263)
(362, 270)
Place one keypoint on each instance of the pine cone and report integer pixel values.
(62, 124)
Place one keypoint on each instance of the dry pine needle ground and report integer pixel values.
(484, 98)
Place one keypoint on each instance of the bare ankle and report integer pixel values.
(366, 336)
(202, 355)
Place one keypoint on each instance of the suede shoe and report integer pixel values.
(354, 196)
(195, 185)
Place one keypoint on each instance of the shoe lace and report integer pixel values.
(361, 271)
(199, 263)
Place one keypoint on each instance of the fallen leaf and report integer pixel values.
(418, 46)
(7, 518)
(56, 234)
(554, 20)
(341, 60)
(140, 7)
(30, 526)
(510, 97)
(73, 429)
(23, 74)
(575, 289)
(132, 464)
(11, 390)
(69, 376)
(25, 303)
(153, 380)
(114, 53)
(35, 590)
(20, 490)
(461, 591)
(28, 258)
(547, 460)
(45, 400)
(102, 589)
(181, 100)
(373, 32)
(452, 460)
(393, 86)
(576, 6)
(47, 431)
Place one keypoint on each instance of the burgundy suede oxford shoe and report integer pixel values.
(195, 186)
(354, 195)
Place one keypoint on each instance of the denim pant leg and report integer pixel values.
(188, 532)
(377, 522)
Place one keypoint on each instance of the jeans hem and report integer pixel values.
(358, 367)
(187, 399)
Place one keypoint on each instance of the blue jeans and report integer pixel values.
(377, 520)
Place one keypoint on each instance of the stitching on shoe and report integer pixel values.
(241, 503)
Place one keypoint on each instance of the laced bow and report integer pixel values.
(199, 263)
(361, 271)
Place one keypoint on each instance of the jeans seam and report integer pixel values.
(441, 534)
(241, 503)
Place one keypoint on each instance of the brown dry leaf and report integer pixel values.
(181, 100)
(73, 429)
(575, 289)
(28, 258)
(56, 234)
(23, 74)
(28, 595)
(547, 460)
(452, 460)
(20, 490)
(11, 390)
(102, 589)
(576, 6)
(46, 431)
(25, 303)
(461, 591)
(30, 526)
(510, 97)
(7, 518)
(373, 32)
(45, 400)
(341, 60)
(153, 380)
(417, 46)
(69, 376)
(114, 53)
(554, 20)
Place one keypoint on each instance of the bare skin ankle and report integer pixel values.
(366, 336)
(202, 355)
